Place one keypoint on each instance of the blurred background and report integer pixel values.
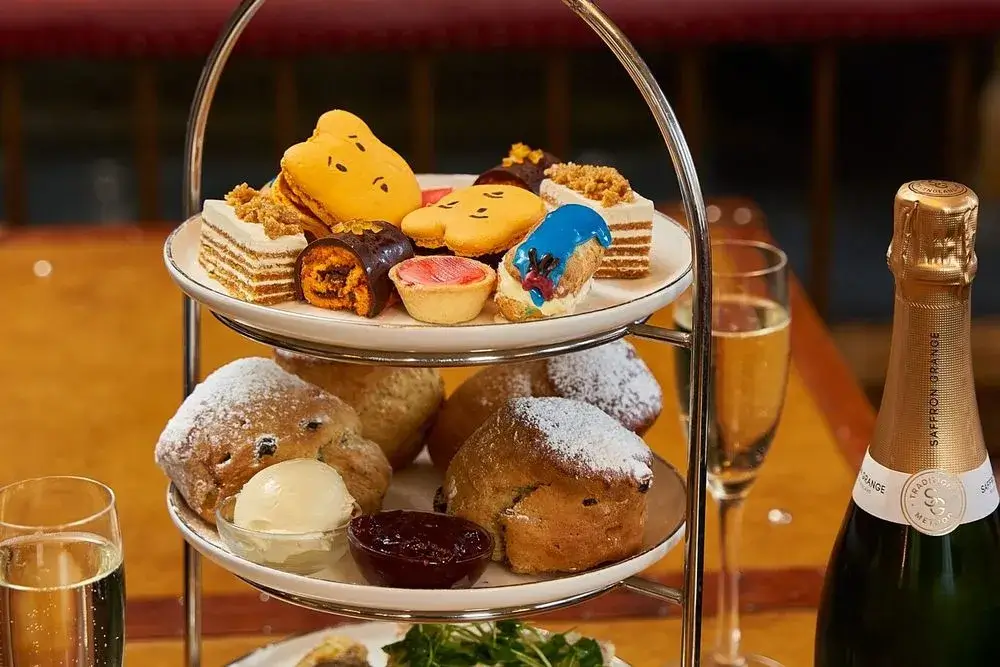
(815, 111)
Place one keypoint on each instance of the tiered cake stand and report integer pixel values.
(584, 331)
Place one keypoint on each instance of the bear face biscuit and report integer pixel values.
(343, 172)
(476, 220)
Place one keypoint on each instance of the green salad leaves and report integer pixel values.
(502, 644)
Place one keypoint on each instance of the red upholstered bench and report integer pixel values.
(32, 28)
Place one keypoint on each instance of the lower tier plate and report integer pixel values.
(374, 636)
(611, 305)
(498, 594)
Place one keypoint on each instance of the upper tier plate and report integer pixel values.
(611, 304)
(499, 593)
(289, 652)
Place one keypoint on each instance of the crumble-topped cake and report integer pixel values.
(628, 214)
(249, 244)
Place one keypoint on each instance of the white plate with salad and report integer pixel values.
(505, 644)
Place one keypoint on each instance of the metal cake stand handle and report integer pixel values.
(699, 341)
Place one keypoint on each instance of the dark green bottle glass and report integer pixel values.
(914, 577)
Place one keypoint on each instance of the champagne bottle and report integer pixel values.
(914, 578)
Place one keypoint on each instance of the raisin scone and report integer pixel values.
(251, 414)
(560, 485)
(612, 377)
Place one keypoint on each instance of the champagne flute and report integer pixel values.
(750, 359)
(62, 577)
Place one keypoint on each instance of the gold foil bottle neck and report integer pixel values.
(929, 418)
(934, 232)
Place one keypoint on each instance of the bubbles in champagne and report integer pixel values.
(750, 359)
(62, 600)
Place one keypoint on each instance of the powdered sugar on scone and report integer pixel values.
(611, 377)
(584, 435)
(225, 395)
(229, 405)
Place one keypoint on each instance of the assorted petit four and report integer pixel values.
(523, 167)
(413, 549)
(396, 405)
(476, 220)
(629, 215)
(343, 173)
(349, 269)
(345, 226)
(249, 244)
(251, 414)
(545, 475)
(551, 271)
(443, 289)
(612, 377)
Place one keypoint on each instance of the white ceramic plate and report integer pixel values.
(374, 636)
(498, 588)
(611, 304)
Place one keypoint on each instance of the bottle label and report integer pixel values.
(934, 502)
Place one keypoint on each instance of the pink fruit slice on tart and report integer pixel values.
(442, 289)
(433, 195)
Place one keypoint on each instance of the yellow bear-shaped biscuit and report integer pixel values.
(343, 172)
(476, 220)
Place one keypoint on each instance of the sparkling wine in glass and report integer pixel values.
(62, 577)
(750, 359)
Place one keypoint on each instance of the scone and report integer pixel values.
(336, 651)
(395, 405)
(551, 271)
(476, 220)
(251, 414)
(612, 377)
(559, 484)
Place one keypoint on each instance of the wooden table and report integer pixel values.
(91, 350)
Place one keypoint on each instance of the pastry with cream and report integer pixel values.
(551, 271)
(249, 244)
(628, 214)
(443, 289)
(251, 414)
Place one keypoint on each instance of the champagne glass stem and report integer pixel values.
(727, 645)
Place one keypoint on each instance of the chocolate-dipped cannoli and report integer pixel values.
(349, 270)
(522, 167)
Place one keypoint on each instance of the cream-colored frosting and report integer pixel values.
(219, 215)
(639, 209)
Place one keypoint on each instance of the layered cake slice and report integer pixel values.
(629, 215)
(249, 244)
